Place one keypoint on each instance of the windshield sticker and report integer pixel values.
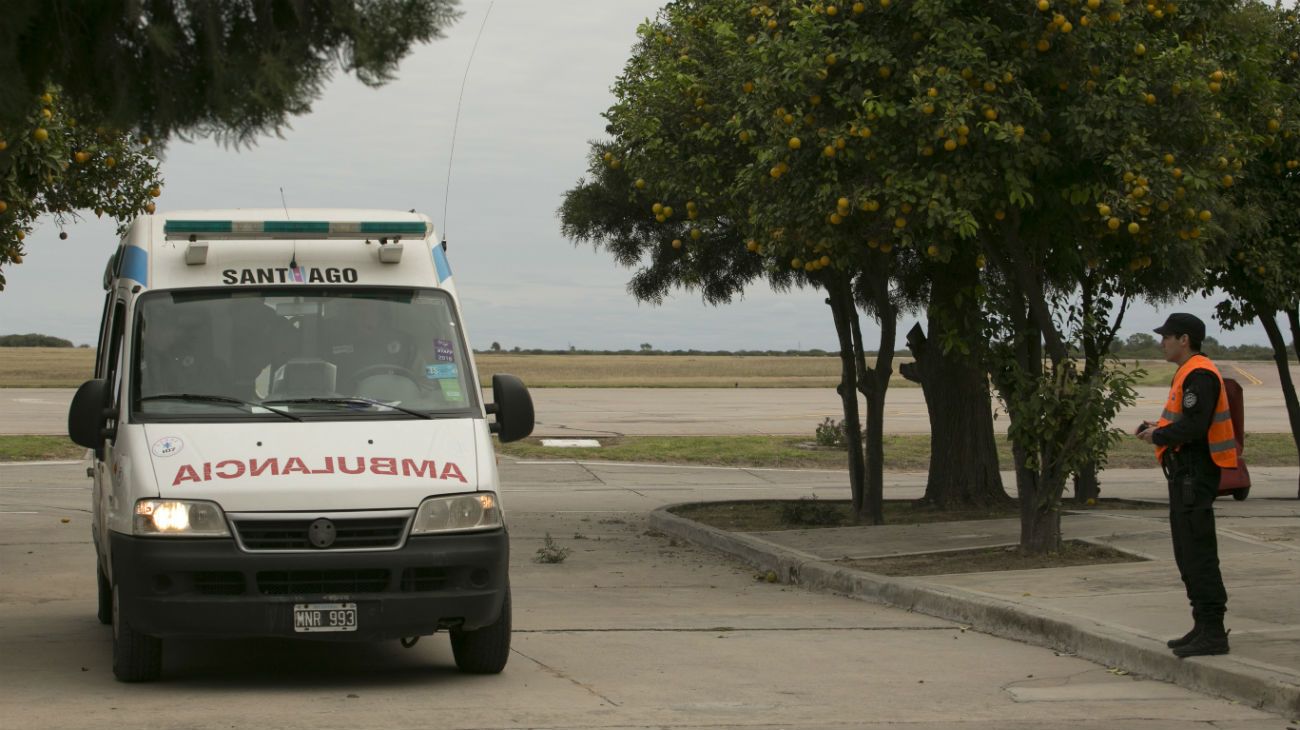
(289, 275)
(342, 349)
(443, 351)
(442, 371)
(451, 390)
(168, 446)
(384, 466)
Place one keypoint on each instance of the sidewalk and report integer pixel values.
(1119, 615)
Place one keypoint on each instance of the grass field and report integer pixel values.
(902, 453)
(49, 367)
(909, 452)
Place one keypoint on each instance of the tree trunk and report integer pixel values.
(964, 469)
(873, 383)
(844, 311)
(1269, 320)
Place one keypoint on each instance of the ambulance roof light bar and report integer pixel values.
(217, 229)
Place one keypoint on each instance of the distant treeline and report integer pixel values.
(706, 353)
(1139, 346)
(1145, 346)
(33, 340)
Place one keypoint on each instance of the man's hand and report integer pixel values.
(1146, 432)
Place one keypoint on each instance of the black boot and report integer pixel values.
(1211, 640)
(1186, 638)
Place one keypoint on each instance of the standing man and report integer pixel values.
(1193, 441)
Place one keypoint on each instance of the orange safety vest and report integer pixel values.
(1223, 445)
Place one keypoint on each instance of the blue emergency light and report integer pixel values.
(292, 229)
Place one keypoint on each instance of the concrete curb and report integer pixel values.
(1224, 676)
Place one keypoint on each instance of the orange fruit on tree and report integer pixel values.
(40, 134)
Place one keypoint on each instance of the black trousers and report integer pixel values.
(1192, 490)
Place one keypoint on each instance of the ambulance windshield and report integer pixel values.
(314, 354)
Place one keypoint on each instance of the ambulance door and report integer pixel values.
(109, 367)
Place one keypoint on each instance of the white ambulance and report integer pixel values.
(289, 438)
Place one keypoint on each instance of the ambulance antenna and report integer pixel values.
(456, 124)
(293, 259)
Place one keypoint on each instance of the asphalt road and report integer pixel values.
(632, 631)
(576, 412)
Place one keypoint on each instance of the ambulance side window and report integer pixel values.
(113, 359)
(101, 350)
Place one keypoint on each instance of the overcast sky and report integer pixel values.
(537, 87)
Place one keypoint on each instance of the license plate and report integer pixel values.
(312, 617)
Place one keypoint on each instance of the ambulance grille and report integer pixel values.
(218, 583)
(422, 580)
(293, 582)
(358, 533)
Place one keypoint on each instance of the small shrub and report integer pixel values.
(831, 433)
(550, 552)
(812, 512)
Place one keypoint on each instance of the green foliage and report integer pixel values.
(811, 512)
(551, 552)
(33, 340)
(1260, 269)
(830, 433)
(52, 163)
(234, 69)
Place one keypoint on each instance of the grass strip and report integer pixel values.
(903, 452)
(39, 448)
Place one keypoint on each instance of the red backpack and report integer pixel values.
(1236, 481)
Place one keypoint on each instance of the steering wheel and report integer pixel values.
(369, 370)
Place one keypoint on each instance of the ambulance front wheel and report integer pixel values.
(485, 650)
(1241, 494)
(136, 656)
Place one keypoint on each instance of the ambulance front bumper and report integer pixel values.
(212, 588)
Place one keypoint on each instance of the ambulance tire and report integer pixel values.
(105, 596)
(485, 650)
(136, 657)
(1241, 494)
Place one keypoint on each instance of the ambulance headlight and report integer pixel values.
(179, 517)
(460, 513)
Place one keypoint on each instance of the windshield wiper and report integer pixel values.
(219, 399)
(353, 400)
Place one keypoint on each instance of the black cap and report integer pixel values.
(1182, 323)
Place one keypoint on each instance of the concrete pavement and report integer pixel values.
(637, 629)
(1118, 615)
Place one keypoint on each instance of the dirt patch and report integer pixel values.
(801, 514)
(985, 560)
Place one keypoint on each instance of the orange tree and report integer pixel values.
(1056, 146)
(1260, 273)
(85, 86)
(52, 165)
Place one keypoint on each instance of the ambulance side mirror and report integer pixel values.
(88, 415)
(513, 407)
